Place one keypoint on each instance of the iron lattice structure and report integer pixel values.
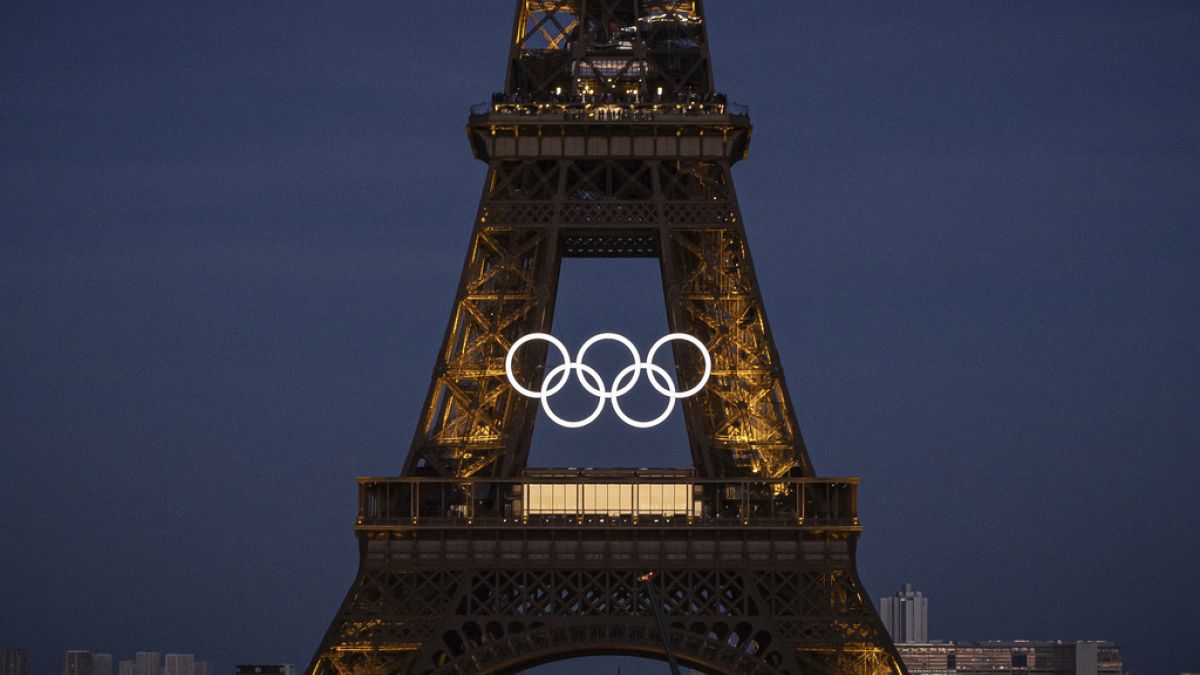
(609, 140)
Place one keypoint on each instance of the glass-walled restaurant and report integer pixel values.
(611, 499)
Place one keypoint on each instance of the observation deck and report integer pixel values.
(608, 498)
(714, 108)
(692, 128)
(600, 518)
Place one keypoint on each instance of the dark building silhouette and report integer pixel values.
(77, 662)
(1019, 657)
(14, 661)
(102, 664)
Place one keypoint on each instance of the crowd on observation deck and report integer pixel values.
(583, 98)
(610, 106)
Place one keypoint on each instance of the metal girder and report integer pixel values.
(418, 608)
(655, 48)
(472, 422)
(742, 421)
(535, 212)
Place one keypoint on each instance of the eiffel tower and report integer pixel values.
(609, 140)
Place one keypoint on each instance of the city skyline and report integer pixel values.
(15, 661)
(225, 281)
(905, 614)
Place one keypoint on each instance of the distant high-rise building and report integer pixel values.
(78, 662)
(102, 664)
(146, 663)
(906, 615)
(1016, 658)
(14, 661)
(179, 664)
(202, 668)
(125, 668)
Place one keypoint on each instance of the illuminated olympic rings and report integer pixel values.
(591, 381)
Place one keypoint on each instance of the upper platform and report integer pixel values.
(609, 79)
(710, 130)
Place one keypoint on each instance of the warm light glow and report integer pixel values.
(609, 499)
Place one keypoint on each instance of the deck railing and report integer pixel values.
(608, 500)
(609, 112)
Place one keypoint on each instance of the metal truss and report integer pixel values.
(608, 141)
(425, 602)
(534, 213)
(645, 49)
(472, 420)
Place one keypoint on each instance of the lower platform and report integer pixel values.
(749, 577)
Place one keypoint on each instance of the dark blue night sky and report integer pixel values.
(230, 235)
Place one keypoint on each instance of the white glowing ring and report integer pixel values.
(593, 383)
(512, 351)
(633, 351)
(650, 368)
(566, 369)
(703, 352)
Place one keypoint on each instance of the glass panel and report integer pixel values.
(612, 499)
(571, 499)
(598, 503)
